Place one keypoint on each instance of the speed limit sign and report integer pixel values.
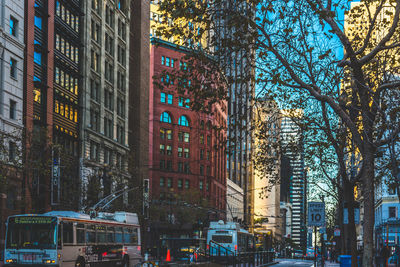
(316, 213)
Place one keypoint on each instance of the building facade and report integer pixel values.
(52, 92)
(11, 108)
(266, 190)
(387, 223)
(187, 156)
(292, 148)
(105, 153)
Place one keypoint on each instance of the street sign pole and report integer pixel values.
(315, 246)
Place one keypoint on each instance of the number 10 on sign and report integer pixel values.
(316, 213)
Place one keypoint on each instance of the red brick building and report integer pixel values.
(187, 154)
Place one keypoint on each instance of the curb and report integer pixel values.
(269, 264)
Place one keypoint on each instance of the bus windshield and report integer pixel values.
(31, 232)
(222, 238)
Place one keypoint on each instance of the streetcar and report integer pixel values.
(228, 239)
(70, 239)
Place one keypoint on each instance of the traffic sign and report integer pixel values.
(316, 213)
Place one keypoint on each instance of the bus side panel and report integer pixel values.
(69, 255)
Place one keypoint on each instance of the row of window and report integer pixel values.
(168, 99)
(167, 61)
(109, 155)
(169, 182)
(99, 234)
(182, 121)
(69, 50)
(66, 80)
(66, 111)
(67, 16)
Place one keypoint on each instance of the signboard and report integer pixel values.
(316, 213)
(34, 220)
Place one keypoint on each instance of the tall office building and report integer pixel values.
(240, 111)
(52, 92)
(266, 170)
(105, 97)
(11, 107)
(292, 149)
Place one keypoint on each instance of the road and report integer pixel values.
(294, 262)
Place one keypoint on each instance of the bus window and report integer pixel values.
(222, 238)
(59, 246)
(127, 235)
(134, 236)
(68, 236)
(90, 234)
(118, 235)
(101, 234)
(80, 236)
(110, 234)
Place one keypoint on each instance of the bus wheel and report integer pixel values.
(125, 262)
(80, 263)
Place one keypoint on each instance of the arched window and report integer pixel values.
(202, 125)
(183, 121)
(165, 117)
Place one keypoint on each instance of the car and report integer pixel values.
(310, 253)
(298, 254)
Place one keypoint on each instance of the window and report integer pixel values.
(202, 139)
(108, 127)
(96, 31)
(186, 137)
(94, 120)
(208, 170)
(180, 166)
(94, 90)
(186, 167)
(170, 99)
(180, 152)
(169, 183)
(392, 190)
(162, 182)
(201, 153)
(120, 107)
(201, 185)
(95, 5)
(169, 165)
(184, 102)
(12, 151)
(162, 164)
(165, 117)
(169, 150)
(201, 169)
(38, 22)
(94, 151)
(162, 149)
(67, 233)
(186, 152)
(13, 26)
(187, 184)
(180, 183)
(107, 156)
(95, 60)
(183, 121)
(392, 212)
(208, 154)
(208, 140)
(121, 80)
(163, 97)
(169, 134)
(162, 133)
(109, 44)
(162, 60)
(37, 57)
(109, 71)
(13, 109)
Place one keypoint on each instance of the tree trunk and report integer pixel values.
(343, 236)
(369, 201)
(351, 227)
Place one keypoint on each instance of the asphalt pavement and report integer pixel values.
(294, 263)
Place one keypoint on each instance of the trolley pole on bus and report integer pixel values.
(315, 245)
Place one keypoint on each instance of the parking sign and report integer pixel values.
(316, 213)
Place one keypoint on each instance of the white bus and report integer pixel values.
(70, 239)
(228, 239)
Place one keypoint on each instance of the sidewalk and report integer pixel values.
(331, 264)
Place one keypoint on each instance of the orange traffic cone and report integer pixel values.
(168, 256)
